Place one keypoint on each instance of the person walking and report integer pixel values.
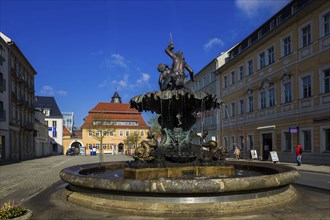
(237, 153)
(298, 154)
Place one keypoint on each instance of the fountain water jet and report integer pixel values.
(175, 177)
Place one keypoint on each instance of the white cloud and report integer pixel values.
(118, 60)
(50, 91)
(123, 83)
(213, 42)
(144, 78)
(252, 7)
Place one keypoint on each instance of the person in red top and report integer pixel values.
(298, 154)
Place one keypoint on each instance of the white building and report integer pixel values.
(205, 80)
(54, 120)
(43, 147)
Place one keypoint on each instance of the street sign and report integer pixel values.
(274, 156)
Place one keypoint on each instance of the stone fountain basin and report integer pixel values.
(271, 176)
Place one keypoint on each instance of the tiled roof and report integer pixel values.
(66, 131)
(115, 112)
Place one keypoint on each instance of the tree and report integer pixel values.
(132, 140)
(155, 126)
(99, 128)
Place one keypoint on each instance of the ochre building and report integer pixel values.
(121, 128)
(276, 86)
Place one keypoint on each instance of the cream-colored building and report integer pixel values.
(276, 86)
(16, 102)
(41, 138)
(122, 122)
(205, 80)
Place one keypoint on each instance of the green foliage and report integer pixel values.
(154, 125)
(9, 210)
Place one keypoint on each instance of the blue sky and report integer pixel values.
(83, 50)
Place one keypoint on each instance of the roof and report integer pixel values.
(116, 112)
(66, 131)
(48, 102)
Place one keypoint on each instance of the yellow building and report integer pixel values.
(276, 86)
(115, 123)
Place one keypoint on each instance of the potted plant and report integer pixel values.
(9, 210)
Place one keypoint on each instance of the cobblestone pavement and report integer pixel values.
(36, 184)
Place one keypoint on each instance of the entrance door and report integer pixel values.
(266, 145)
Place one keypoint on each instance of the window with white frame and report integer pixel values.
(306, 84)
(127, 133)
(325, 80)
(250, 67)
(232, 142)
(325, 24)
(232, 78)
(90, 133)
(233, 109)
(121, 133)
(305, 36)
(225, 82)
(241, 72)
(142, 133)
(262, 98)
(97, 133)
(286, 46)
(111, 133)
(241, 106)
(250, 104)
(287, 87)
(262, 60)
(104, 146)
(97, 146)
(271, 55)
(271, 96)
(272, 24)
(287, 141)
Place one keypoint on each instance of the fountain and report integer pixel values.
(175, 177)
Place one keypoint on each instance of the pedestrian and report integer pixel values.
(298, 154)
(237, 153)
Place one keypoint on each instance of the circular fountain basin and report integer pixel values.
(103, 186)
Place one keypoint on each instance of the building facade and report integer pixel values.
(68, 120)
(276, 86)
(205, 80)
(54, 121)
(16, 102)
(43, 146)
(116, 124)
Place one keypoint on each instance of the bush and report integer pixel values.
(10, 210)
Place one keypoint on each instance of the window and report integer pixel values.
(225, 113)
(259, 34)
(142, 133)
(54, 123)
(287, 92)
(111, 133)
(97, 133)
(250, 67)
(241, 106)
(121, 133)
(90, 133)
(262, 62)
(225, 143)
(250, 104)
(233, 109)
(232, 78)
(250, 141)
(241, 72)
(225, 81)
(272, 24)
(306, 37)
(97, 146)
(127, 133)
(306, 87)
(104, 146)
(271, 95)
(279, 19)
(262, 99)
(271, 55)
(325, 24)
(286, 46)
(287, 141)
(307, 140)
(325, 139)
(325, 81)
